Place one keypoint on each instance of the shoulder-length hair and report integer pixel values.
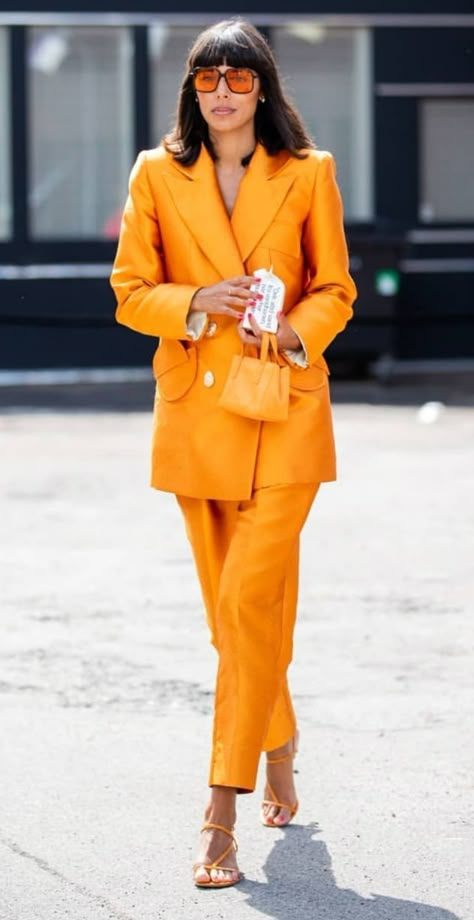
(236, 43)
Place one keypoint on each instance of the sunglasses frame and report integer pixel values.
(223, 74)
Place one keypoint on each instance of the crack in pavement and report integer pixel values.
(56, 874)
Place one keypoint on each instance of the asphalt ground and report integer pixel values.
(106, 673)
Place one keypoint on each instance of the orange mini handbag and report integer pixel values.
(258, 388)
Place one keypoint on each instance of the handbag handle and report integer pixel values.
(268, 347)
(269, 344)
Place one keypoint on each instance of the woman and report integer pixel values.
(238, 187)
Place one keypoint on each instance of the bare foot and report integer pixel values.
(213, 842)
(280, 787)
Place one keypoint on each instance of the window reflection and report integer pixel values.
(326, 72)
(5, 142)
(169, 48)
(80, 91)
(447, 157)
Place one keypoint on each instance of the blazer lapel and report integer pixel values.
(261, 194)
(197, 197)
(228, 243)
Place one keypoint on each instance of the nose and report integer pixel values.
(222, 88)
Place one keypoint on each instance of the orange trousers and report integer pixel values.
(247, 557)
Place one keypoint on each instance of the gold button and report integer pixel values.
(211, 329)
(208, 379)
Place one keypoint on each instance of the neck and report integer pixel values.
(231, 149)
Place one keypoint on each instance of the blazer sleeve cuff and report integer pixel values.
(297, 356)
(195, 325)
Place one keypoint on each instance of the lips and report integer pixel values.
(222, 110)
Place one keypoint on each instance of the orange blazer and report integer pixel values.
(175, 237)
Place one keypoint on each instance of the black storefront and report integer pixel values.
(405, 158)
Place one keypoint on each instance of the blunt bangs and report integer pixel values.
(231, 47)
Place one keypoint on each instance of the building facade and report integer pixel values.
(390, 93)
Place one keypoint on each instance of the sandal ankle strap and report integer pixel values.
(218, 827)
(282, 759)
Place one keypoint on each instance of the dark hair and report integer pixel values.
(237, 43)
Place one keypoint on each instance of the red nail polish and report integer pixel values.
(259, 296)
(251, 303)
(241, 315)
(258, 280)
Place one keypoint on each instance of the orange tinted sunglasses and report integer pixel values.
(238, 79)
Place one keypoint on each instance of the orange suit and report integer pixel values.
(239, 481)
(176, 237)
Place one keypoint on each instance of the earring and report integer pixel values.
(261, 98)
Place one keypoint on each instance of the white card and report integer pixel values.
(266, 311)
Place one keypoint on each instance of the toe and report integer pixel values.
(282, 817)
(267, 813)
(218, 875)
(202, 876)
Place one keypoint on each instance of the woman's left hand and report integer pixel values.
(286, 337)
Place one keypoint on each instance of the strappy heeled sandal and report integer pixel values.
(274, 801)
(217, 864)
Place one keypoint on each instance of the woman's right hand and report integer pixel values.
(230, 297)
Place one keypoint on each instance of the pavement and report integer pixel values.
(106, 673)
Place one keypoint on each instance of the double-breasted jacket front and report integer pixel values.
(176, 237)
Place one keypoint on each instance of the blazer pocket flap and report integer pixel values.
(174, 368)
(308, 378)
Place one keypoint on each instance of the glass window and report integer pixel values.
(80, 120)
(327, 74)
(446, 159)
(5, 143)
(169, 48)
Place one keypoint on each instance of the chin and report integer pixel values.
(219, 126)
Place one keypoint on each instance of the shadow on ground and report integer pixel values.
(301, 886)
